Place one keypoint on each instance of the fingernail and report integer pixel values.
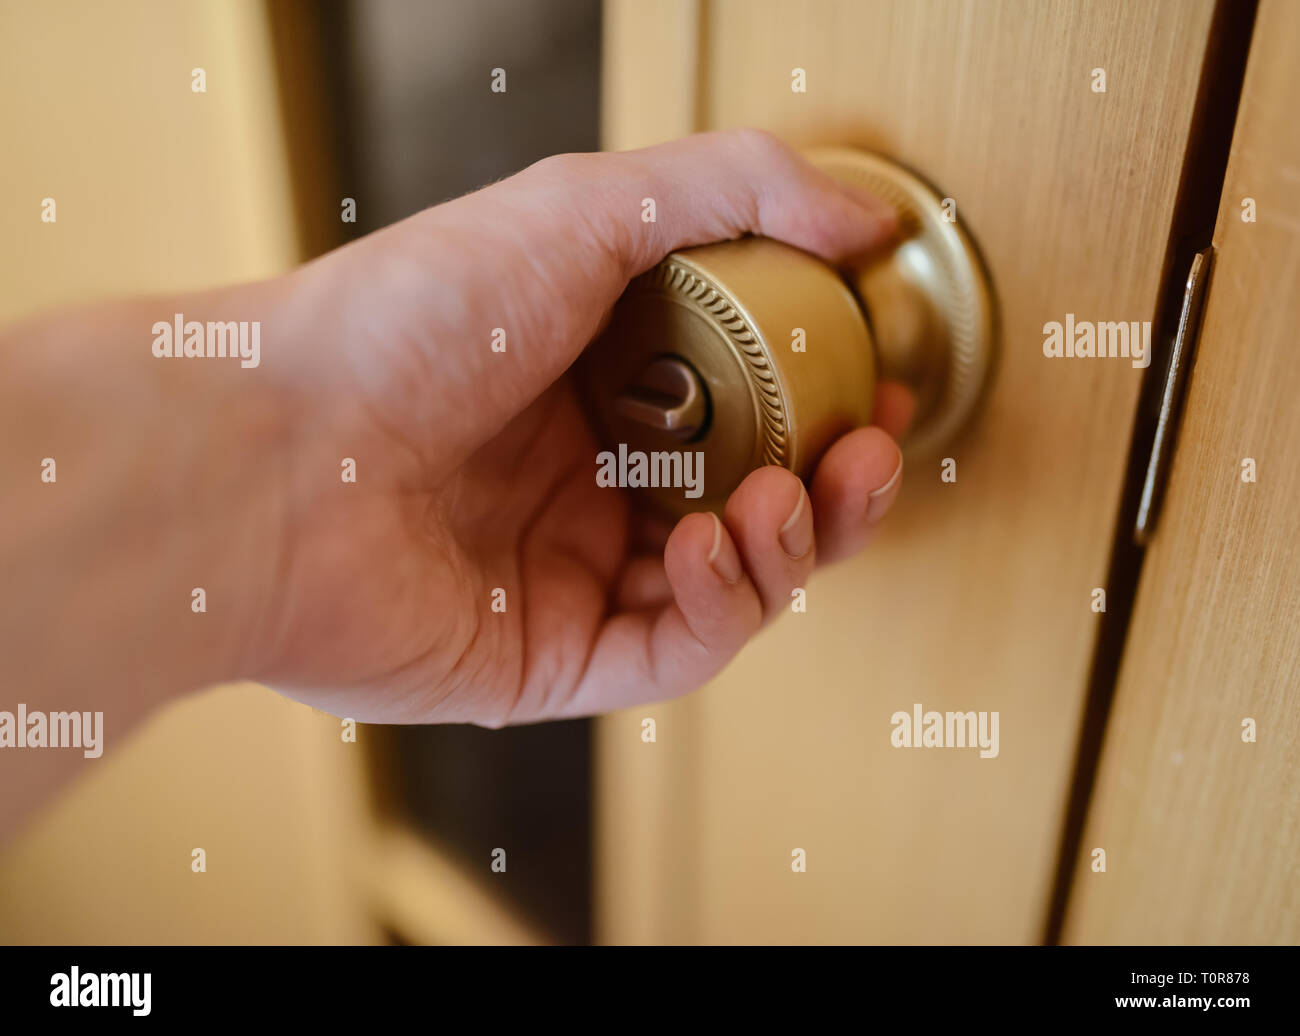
(796, 534)
(723, 558)
(879, 500)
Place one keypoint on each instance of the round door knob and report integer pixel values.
(730, 356)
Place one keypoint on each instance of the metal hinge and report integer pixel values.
(1171, 399)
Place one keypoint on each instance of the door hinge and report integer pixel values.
(1181, 358)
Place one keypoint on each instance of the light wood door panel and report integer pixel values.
(977, 596)
(1202, 829)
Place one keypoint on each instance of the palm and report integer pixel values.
(408, 607)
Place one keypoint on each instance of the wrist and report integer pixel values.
(165, 477)
(241, 481)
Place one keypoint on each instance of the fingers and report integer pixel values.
(853, 487)
(717, 599)
(771, 519)
(717, 186)
(726, 577)
(684, 614)
(643, 584)
(650, 656)
(894, 409)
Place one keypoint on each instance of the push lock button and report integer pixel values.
(667, 396)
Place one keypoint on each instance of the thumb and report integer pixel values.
(544, 254)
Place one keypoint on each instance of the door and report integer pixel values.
(1198, 798)
(1060, 132)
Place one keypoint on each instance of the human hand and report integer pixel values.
(476, 469)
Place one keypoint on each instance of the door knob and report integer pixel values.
(752, 352)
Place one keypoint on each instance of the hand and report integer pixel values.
(476, 469)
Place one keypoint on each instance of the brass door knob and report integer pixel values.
(752, 352)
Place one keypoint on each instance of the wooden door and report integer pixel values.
(1197, 804)
(978, 597)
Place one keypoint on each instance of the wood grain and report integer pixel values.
(1202, 830)
(977, 597)
(649, 87)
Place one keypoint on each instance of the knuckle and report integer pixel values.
(569, 165)
(762, 144)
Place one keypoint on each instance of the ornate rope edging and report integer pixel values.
(675, 278)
